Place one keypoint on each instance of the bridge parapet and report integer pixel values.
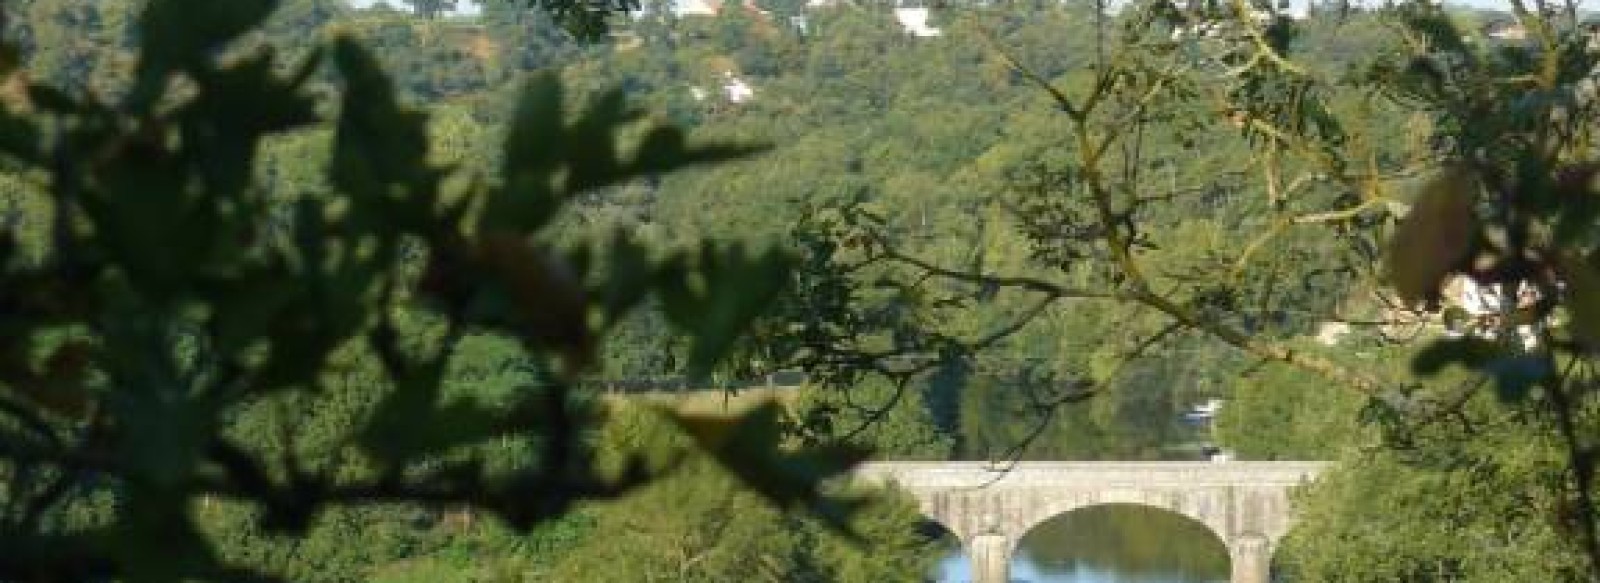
(1054, 474)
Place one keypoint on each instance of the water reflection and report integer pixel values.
(1110, 544)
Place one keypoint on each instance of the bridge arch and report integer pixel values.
(1130, 537)
(1173, 504)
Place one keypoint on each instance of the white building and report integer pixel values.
(1330, 333)
(1484, 306)
(1205, 411)
(696, 7)
(915, 21)
(736, 89)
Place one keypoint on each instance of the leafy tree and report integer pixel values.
(895, 424)
(1449, 503)
(1275, 413)
(1304, 194)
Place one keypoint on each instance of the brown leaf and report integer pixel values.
(1435, 237)
(548, 295)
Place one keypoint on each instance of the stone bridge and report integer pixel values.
(990, 507)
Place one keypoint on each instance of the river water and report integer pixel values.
(1109, 544)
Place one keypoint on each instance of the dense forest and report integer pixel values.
(1044, 232)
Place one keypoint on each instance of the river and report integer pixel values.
(1109, 544)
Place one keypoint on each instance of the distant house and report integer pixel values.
(1219, 455)
(1482, 307)
(696, 7)
(1515, 32)
(736, 89)
(915, 21)
(1218, 26)
(1505, 29)
(713, 7)
(1330, 333)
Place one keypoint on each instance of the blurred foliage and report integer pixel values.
(181, 337)
(975, 267)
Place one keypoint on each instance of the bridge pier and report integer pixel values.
(991, 558)
(1251, 559)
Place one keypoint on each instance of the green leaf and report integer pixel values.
(1583, 299)
(590, 144)
(247, 307)
(719, 296)
(149, 218)
(53, 100)
(20, 139)
(533, 151)
(540, 143)
(235, 108)
(536, 127)
(664, 150)
(1579, 202)
(381, 149)
(629, 275)
(59, 388)
(185, 35)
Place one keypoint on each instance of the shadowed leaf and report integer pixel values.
(1435, 236)
(749, 446)
(1583, 299)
